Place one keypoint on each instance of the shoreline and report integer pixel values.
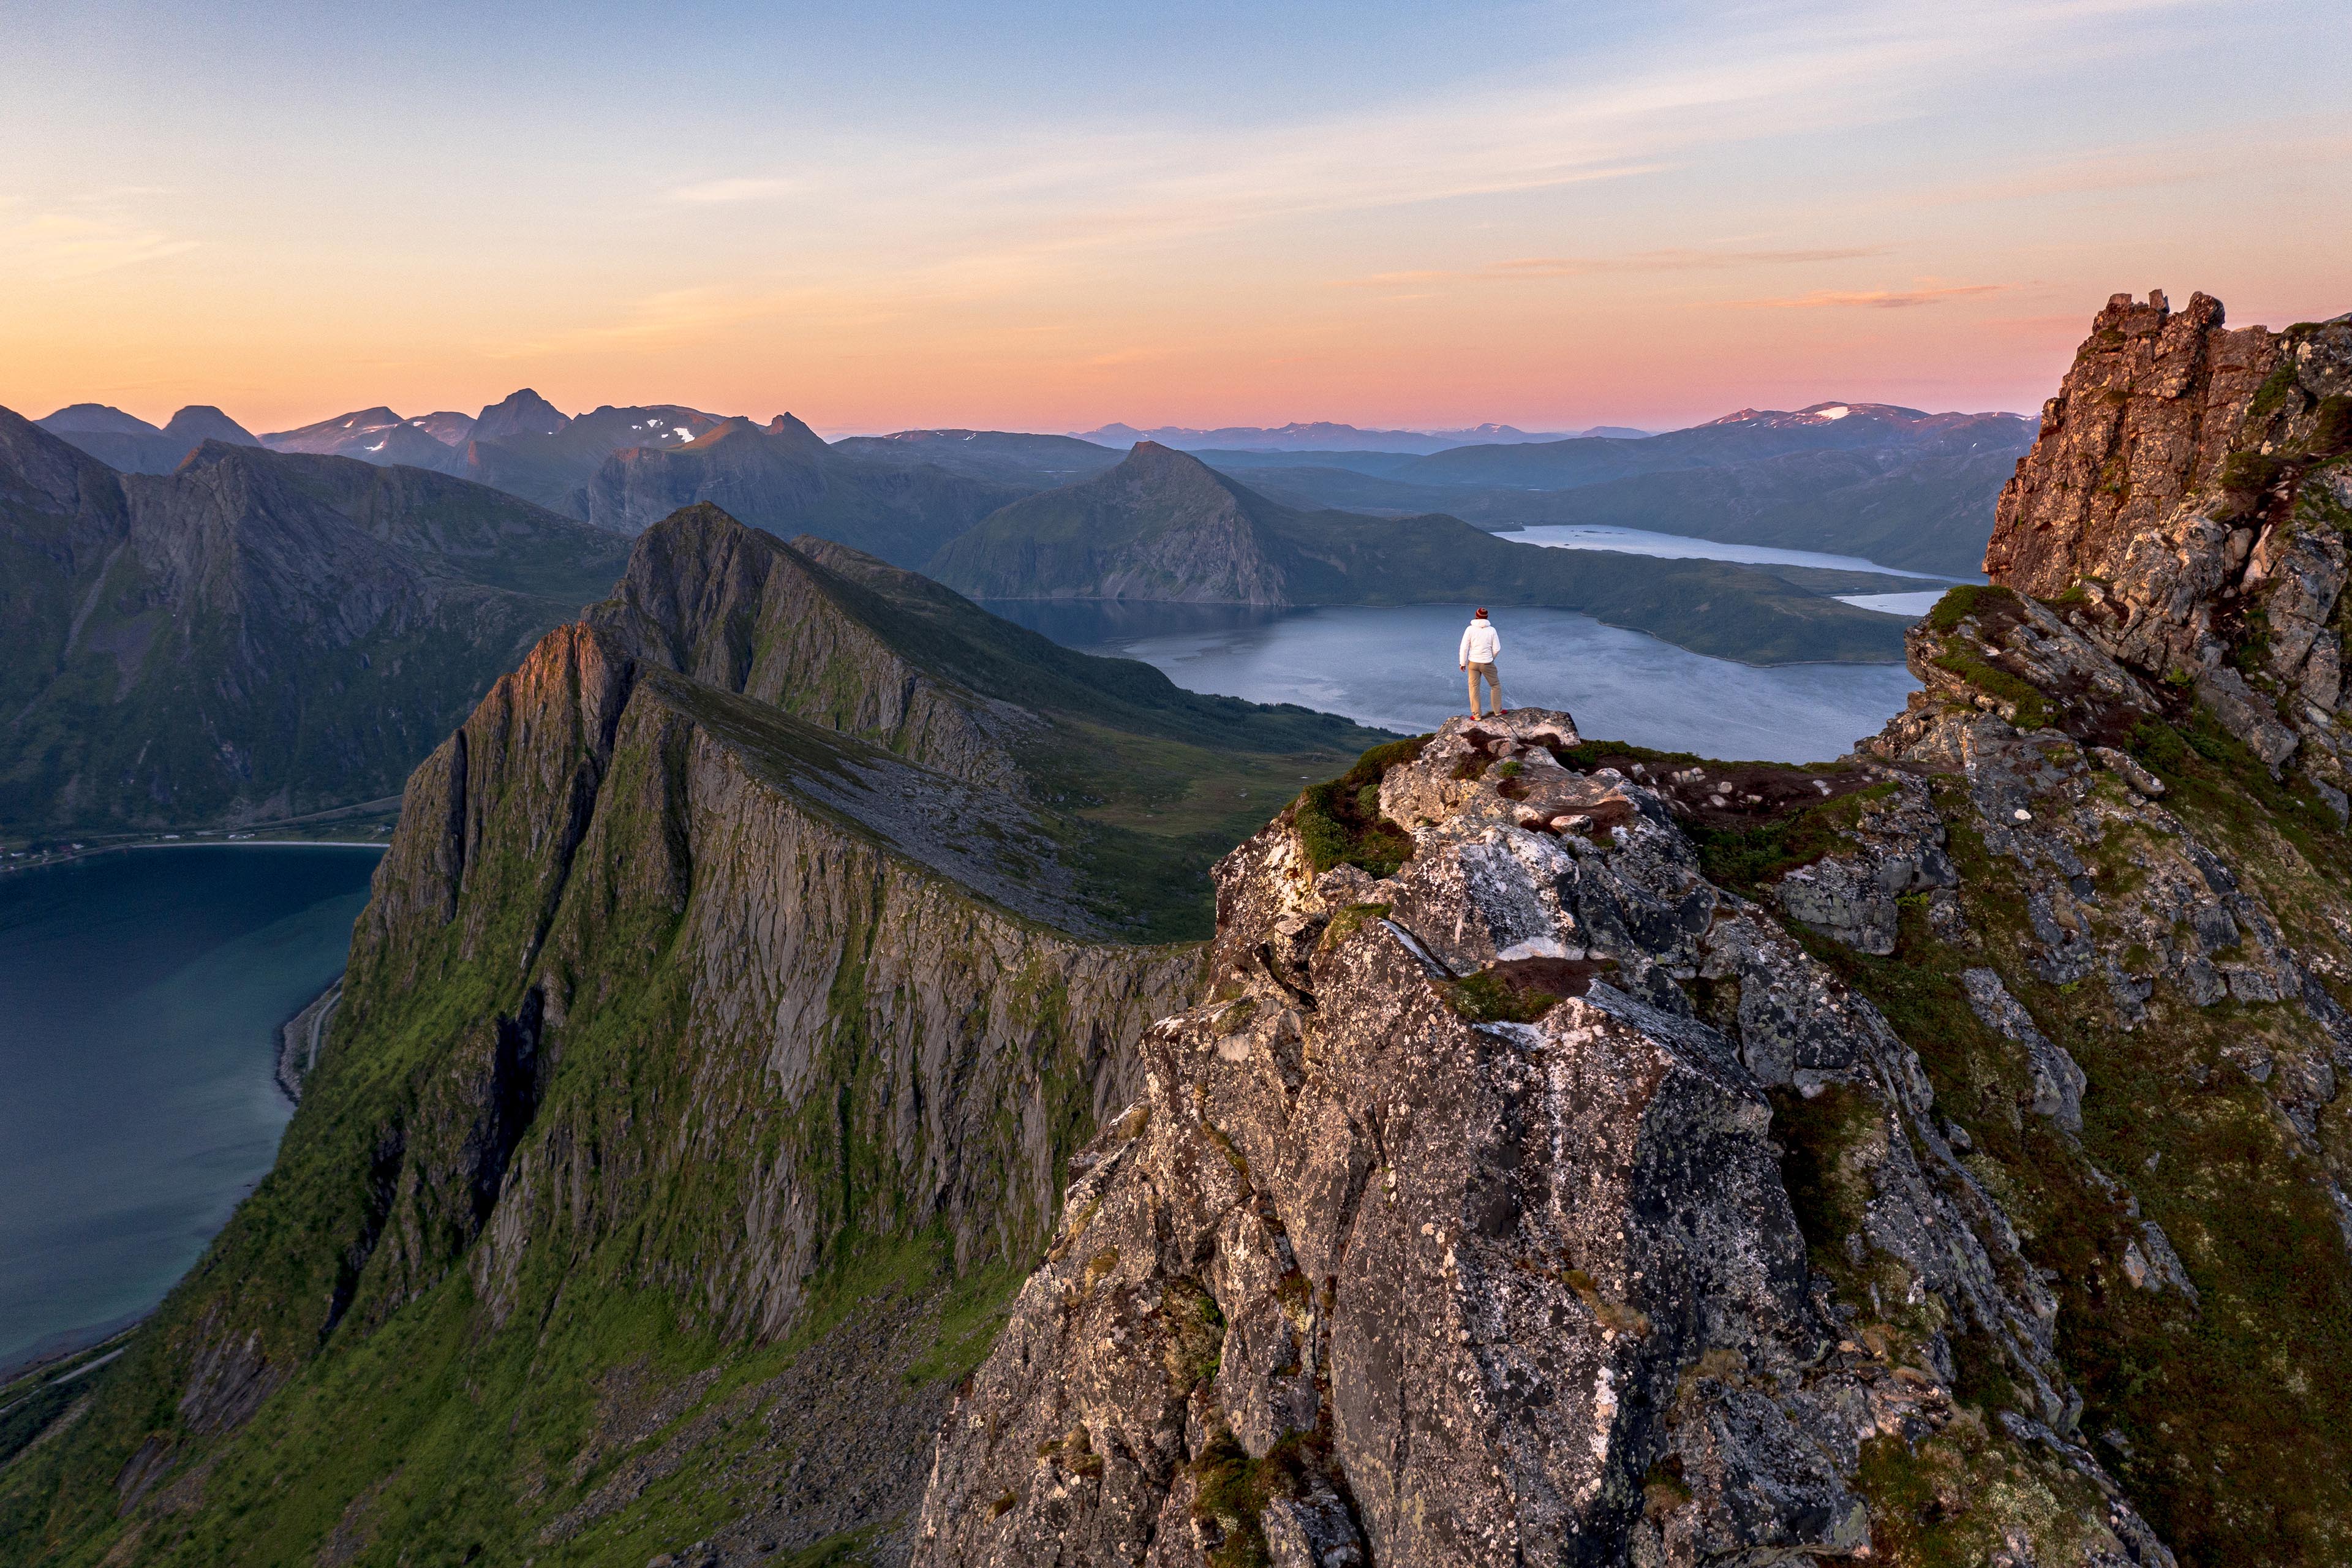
(301, 1036)
(92, 852)
(65, 1347)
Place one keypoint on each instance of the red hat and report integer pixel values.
(1482, 609)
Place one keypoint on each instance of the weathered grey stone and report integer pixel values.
(1472, 1281)
(2057, 1080)
(2246, 715)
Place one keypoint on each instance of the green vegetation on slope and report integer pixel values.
(1152, 783)
(2230, 1422)
(594, 1384)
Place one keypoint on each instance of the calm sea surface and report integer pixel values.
(140, 998)
(1394, 669)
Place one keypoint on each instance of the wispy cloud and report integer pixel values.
(1005, 212)
(2149, 165)
(1531, 269)
(721, 192)
(1870, 299)
(93, 236)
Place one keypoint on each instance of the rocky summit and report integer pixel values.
(1584, 1155)
(1452, 1228)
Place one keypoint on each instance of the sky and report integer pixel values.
(1048, 216)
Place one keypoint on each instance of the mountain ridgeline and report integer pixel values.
(1164, 526)
(761, 1125)
(1909, 489)
(781, 476)
(784, 896)
(252, 634)
(626, 468)
(1898, 485)
(135, 446)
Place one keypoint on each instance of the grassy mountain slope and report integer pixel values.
(1147, 782)
(255, 634)
(1163, 526)
(710, 1058)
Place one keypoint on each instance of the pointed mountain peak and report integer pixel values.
(523, 413)
(785, 425)
(1151, 463)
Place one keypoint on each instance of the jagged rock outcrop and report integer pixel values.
(1448, 1230)
(2187, 492)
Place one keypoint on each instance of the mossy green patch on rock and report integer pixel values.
(1966, 600)
(1340, 821)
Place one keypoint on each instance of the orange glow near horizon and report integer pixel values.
(1642, 234)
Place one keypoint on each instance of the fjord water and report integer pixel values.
(1394, 668)
(1679, 547)
(139, 999)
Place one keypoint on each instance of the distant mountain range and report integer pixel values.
(255, 634)
(132, 445)
(1899, 486)
(1162, 525)
(782, 476)
(1321, 436)
(1015, 459)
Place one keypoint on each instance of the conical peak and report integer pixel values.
(523, 413)
(1150, 461)
(203, 422)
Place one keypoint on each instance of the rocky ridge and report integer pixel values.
(1449, 1230)
(1587, 1155)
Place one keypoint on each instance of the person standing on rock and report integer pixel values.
(1480, 643)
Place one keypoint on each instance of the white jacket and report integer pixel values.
(1480, 643)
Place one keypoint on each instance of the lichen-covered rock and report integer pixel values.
(1447, 1232)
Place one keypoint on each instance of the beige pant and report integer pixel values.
(1484, 672)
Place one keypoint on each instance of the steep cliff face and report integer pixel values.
(742, 611)
(2188, 496)
(704, 1076)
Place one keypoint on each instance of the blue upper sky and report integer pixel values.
(1052, 215)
